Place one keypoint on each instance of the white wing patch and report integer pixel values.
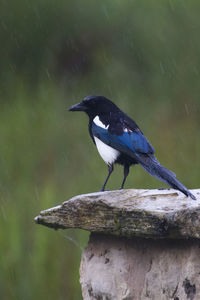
(127, 130)
(108, 153)
(99, 123)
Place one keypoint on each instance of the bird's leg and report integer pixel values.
(126, 171)
(110, 169)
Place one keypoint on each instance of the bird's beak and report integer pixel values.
(78, 107)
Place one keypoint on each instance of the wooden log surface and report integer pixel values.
(129, 213)
(116, 268)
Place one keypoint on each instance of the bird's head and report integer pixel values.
(95, 105)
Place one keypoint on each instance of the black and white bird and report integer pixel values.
(119, 140)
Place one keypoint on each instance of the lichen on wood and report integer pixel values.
(129, 213)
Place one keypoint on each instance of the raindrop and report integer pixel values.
(105, 10)
(162, 68)
(196, 71)
(69, 238)
(186, 109)
(48, 74)
(37, 196)
(171, 4)
(3, 212)
(3, 25)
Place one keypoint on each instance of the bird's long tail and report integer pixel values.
(154, 168)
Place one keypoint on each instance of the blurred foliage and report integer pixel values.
(144, 55)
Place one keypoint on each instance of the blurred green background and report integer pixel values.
(143, 55)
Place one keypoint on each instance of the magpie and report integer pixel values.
(119, 140)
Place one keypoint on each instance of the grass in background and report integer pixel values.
(144, 57)
(47, 157)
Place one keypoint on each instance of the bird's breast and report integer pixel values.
(108, 153)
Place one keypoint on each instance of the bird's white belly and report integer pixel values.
(108, 153)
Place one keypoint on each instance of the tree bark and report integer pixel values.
(115, 268)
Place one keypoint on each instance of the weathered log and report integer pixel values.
(145, 244)
(129, 213)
